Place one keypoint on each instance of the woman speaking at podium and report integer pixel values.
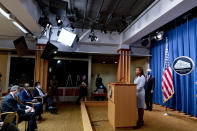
(140, 81)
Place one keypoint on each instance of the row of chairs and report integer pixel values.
(16, 114)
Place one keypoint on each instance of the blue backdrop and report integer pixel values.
(182, 42)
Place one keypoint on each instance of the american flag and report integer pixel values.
(167, 79)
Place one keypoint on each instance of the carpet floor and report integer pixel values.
(154, 120)
(69, 119)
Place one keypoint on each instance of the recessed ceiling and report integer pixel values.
(124, 14)
(106, 15)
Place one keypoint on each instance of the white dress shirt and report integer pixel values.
(40, 92)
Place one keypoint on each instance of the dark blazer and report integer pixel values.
(150, 84)
(10, 104)
(35, 92)
(24, 97)
(98, 82)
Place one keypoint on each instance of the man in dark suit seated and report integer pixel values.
(25, 96)
(37, 92)
(26, 113)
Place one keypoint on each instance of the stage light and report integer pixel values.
(59, 61)
(59, 21)
(5, 14)
(145, 42)
(44, 22)
(159, 35)
(49, 50)
(50, 69)
(48, 26)
(55, 52)
(115, 62)
(93, 37)
(67, 38)
(20, 27)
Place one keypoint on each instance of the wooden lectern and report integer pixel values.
(122, 99)
(122, 110)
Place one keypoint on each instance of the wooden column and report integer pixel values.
(41, 68)
(124, 66)
(3, 71)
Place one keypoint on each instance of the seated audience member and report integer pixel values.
(37, 92)
(25, 96)
(26, 113)
(54, 88)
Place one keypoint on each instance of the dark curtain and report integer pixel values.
(182, 42)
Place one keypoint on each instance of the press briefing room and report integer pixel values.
(98, 65)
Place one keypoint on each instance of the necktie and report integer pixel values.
(40, 92)
(148, 77)
(27, 93)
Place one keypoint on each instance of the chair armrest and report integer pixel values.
(5, 113)
(42, 99)
(38, 97)
(17, 116)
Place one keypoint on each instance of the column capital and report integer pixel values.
(123, 50)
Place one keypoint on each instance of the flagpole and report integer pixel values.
(166, 110)
(166, 106)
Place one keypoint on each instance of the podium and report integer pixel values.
(122, 105)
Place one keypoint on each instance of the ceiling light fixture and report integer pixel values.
(93, 37)
(20, 27)
(5, 14)
(59, 21)
(44, 22)
(55, 52)
(59, 61)
(159, 35)
(145, 42)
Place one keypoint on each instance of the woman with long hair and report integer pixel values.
(140, 81)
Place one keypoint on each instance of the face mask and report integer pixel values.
(148, 73)
(38, 87)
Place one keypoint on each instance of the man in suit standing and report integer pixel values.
(149, 89)
(98, 81)
(25, 96)
(26, 113)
